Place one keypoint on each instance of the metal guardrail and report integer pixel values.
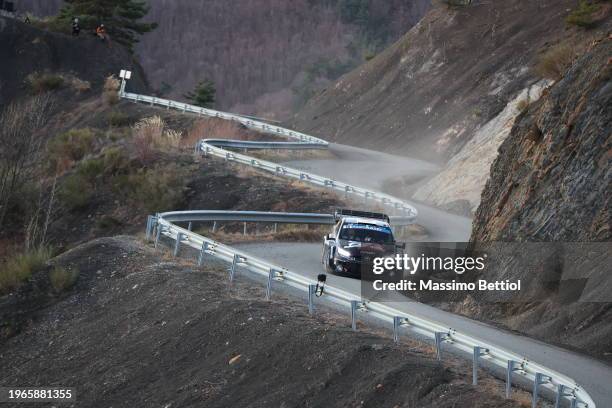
(515, 365)
(212, 147)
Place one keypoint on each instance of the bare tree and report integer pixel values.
(21, 146)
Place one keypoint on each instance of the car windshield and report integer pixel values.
(366, 233)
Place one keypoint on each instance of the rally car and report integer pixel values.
(356, 239)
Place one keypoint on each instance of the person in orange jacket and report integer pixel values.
(101, 32)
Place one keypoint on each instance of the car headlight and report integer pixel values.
(344, 252)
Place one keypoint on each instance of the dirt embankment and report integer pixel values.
(139, 329)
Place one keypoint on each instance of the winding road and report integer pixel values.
(367, 169)
(372, 169)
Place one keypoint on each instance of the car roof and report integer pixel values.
(364, 220)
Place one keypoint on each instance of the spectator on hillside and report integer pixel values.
(76, 27)
(101, 32)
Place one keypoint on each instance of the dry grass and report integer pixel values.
(110, 93)
(231, 233)
(555, 61)
(214, 128)
(20, 267)
(79, 85)
(150, 134)
(63, 279)
(39, 82)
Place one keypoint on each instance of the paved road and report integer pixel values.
(371, 169)
(596, 377)
(366, 168)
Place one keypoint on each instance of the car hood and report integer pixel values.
(357, 248)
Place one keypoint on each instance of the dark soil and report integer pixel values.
(140, 330)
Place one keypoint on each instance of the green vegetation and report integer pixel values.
(20, 267)
(75, 192)
(554, 62)
(583, 15)
(70, 147)
(118, 119)
(63, 279)
(155, 190)
(40, 82)
(120, 17)
(203, 94)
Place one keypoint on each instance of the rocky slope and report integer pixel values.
(265, 56)
(550, 189)
(452, 82)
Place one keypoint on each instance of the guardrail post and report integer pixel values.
(233, 268)
(244, 230)
(311, 292)
(158, 234)
(574, 403)
(397, 320)
(275, 227)
(560, 395)
(189, 226)
(177, 244)
(478, 352)
(354, 304)
(214, 228)
(202, 253)
(438, 339)
(149, 225)
(539, 380)
(269, 285)
(509, 370)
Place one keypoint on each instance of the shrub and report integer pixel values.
(62, 278)
(583, 15)
(20, 267)
(75, 192)
(203, 95)
(44, 82)
(118, 119)
(151, 133)
(79, 85)
(92, 169)
(110, 93)
(155, 190)
(107, 222)
(554, 62)
(115, 161)
(71, 147)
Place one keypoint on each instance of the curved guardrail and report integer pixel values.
(515, 365)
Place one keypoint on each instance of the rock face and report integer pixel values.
(473, 161)
(551, 183)
(551, 179)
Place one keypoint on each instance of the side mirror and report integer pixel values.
(400, 245)
(329, 237)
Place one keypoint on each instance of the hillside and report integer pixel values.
(458, 76)
(264, 56)
(140, 328)
(27, 50)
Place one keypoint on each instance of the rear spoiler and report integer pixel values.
(341, 212)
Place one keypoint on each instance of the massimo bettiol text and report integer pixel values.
(408, 265)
